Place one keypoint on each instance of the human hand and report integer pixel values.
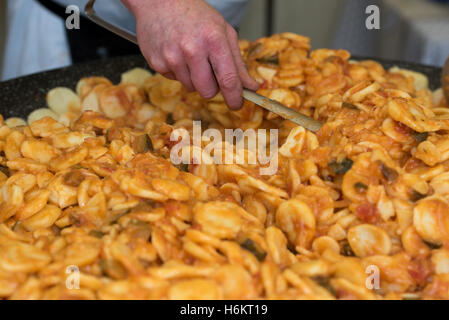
(188, 40)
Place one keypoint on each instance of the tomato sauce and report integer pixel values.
(367, 212)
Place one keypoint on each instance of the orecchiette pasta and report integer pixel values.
(88, 184)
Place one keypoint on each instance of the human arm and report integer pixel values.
(190, 41)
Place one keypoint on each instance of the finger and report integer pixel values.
(157, 64)
(247, 80)
(176, 62)
(169, 75)
(201, 73)
(222, 61)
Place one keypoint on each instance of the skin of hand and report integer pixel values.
(189, 41)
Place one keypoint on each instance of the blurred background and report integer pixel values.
(410, 30)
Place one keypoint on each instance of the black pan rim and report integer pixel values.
(96, 62)
(20, 96)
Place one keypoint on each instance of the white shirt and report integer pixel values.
(116, 12)
(36, 39)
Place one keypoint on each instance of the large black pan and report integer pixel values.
(18, 97)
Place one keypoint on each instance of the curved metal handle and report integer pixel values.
(92, 15)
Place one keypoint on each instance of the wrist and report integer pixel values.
(132, 5)
(137, 5)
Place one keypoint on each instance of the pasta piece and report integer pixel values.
(431, 219)
(15, 122)
(367, 240)
(62, 100)
(137, 76)
(421, 81)
(41, 114)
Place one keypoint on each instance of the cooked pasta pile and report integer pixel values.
(87, 185)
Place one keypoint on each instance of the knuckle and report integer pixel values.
(214, 36)
(190, 49)
(229, 81)
(172, 59)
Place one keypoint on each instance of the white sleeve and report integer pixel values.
(35, 40)
(232, 10)
(115, 12)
